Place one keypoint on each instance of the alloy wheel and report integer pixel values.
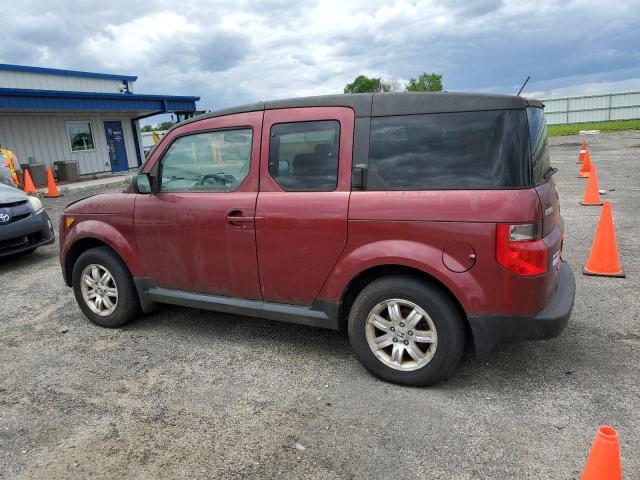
(99, 289)
(401, 334)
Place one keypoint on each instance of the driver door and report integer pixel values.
(196, 231)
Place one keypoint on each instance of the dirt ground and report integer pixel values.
(195, 394)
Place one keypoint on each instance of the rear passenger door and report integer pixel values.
(301, 214)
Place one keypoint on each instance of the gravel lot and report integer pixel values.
(193, 394)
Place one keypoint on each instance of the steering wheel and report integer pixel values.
(222, 178)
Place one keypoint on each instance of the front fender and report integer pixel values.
(117, 234)
(416, 255)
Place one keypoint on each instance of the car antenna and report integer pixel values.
(522, 87)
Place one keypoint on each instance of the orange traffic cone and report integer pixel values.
(583, 151)
(591, 192)
(29, 187)
(604, 260)
(585, 170)
(52, 190)
(603, 462)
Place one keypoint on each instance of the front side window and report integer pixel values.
(303, 156)
(80, 136)
(540, 160)
(207, 162)
(466, 150)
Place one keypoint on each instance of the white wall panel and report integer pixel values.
(555, 105)
(589, 103)
(39, 81)
(44, 137)
(625, 113)
(588, 116)
(625, 100)
(594, 108)
(555, 118)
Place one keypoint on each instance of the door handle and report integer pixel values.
(236, 219)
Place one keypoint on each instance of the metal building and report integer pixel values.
(592, 108)
(49, 115)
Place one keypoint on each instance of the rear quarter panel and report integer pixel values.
(552, 229)
(413, 228)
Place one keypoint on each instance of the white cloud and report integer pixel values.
(238, 51)
(129, 44)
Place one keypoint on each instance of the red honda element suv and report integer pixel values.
(419, 222)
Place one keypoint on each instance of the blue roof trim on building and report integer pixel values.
(65, 73)
(29, 99)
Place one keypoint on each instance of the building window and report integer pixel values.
(80, 136)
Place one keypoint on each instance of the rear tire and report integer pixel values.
(104, 289)
(406, 331)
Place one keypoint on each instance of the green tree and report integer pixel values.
(390, 86)
(165, 125)
(364, 84)
(426, 82)
(158, 127)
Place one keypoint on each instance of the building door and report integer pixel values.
(115, 143)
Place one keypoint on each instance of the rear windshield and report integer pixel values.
(466, 150)
(540, 161)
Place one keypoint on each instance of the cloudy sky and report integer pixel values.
(237, 51)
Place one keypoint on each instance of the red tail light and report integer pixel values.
(520, 249)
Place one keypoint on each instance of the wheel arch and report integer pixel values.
(77, 249)
(365, 277)
(89, 234)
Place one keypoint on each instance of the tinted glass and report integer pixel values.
(207, 162)
(478, 150)
(303, 156)
(540, 161)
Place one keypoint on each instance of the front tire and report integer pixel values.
(406, 331)
(104, 289)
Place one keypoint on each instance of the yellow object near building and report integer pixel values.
(8, 161)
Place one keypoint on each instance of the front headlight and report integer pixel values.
(36, 204)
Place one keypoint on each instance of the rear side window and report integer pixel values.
(466, 150)
(303, 156)
(540, 161)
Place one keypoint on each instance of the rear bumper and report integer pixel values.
(549, 322)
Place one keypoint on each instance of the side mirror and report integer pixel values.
(143, 183)
(359, 177)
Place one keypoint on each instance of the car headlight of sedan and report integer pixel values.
(36, 204)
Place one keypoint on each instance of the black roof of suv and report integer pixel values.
(386, 104)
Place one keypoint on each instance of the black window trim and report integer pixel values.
(157, 168)
(535, 184)
(338, 150)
